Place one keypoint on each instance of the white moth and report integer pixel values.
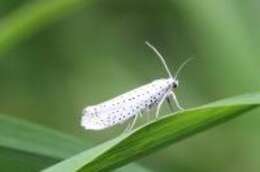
(133, 103)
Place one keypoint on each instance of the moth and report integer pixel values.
(134, 103)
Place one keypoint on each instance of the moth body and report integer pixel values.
(131, 104)
(127, 105)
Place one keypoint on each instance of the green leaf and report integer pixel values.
(29, 147)
(32, 17)
(157, 134)
(25, 136)
(15, 160)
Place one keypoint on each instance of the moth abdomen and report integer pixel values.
(127, 105)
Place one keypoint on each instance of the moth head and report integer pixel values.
(175, 84)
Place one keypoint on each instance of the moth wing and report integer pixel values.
(91, 121)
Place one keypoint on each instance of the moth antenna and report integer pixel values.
(160, 57)
(181, 67)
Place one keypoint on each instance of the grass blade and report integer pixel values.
(25, 136)
(156, 135)
(29, 147)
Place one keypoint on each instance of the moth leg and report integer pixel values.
(127, 128)
(176, 101)
(141, 114)
(159, 106)
(131, 124)
(169, 103)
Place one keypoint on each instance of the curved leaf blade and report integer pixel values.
(15, 160)
(28, 137)
(30, 147)
(156, 135)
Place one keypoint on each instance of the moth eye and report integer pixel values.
(175, 85)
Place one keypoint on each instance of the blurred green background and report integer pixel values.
(52, 71)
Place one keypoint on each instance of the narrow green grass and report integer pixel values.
(30, 147)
